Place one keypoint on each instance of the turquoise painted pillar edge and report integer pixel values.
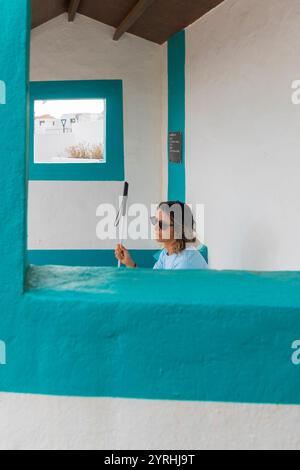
(176, 111)
(14, 72)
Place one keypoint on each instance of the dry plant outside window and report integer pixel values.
(86, 151)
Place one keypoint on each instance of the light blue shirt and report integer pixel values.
(190, 258)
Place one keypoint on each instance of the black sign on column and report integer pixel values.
(175, 147)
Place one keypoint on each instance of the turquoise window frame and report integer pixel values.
(109, 90)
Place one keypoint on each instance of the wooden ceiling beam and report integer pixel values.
(73, 8)
(132, 18)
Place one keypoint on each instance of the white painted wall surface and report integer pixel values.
(85, 50)
(56, 148)
(53, 423)
(69, 217)
(69, 213)
(243, 132)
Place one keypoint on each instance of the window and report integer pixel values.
(77, 131)
(72, 131)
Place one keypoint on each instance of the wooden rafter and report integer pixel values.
(73, 7)
(132, 17)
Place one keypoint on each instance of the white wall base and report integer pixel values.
(42, 422)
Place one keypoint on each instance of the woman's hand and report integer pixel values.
(122, 254)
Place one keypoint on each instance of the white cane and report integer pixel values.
(121, 216)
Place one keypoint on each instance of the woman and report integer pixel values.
(175, 229)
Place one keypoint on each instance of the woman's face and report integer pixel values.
(164, 229)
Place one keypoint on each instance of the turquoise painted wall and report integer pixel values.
(143, 258)
(216, 336)
(176, 111)
(197, 335)
(13, 145)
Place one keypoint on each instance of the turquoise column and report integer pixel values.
(14, 29)
(176, 111)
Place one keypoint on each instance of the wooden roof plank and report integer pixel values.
(155, 21)
(73, 8)
(134, 15)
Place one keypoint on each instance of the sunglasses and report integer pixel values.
(162, 225)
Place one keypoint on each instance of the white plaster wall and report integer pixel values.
(243, 132)
(53, 423)
(68, 212)
(85, 50)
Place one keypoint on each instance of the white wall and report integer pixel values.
(85, 50)
(53, 423)
(243, 132)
